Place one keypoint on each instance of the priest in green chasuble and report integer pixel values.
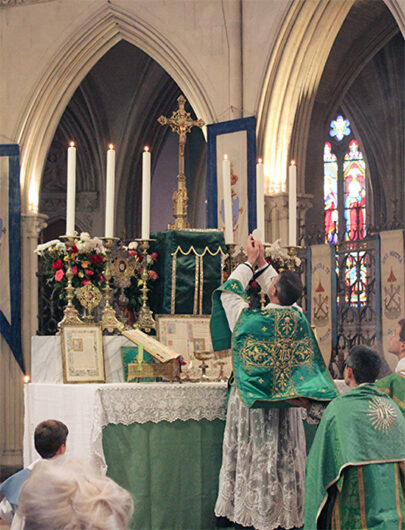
(275, 358)
(355, 469)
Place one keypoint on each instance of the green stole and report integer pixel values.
(394, 386)
(359, 444)
(275, 355)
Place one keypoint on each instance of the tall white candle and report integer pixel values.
(145, 232)
(227, 211)
(260, 196)
(71, 190)
(110, 192)
(292, 204)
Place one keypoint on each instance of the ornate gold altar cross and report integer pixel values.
(181, 123)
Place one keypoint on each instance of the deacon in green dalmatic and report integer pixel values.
(275, 359)
(355, 475)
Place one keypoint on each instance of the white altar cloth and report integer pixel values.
(86, 409)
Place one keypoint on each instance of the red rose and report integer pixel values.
(88, 272)
(74, 269)
(101, 278)
(59, 274)
(75, 250)
(153, 275)
(154, 255)
(96, 258)
(57, 264)
(132, 252)
(85, 282)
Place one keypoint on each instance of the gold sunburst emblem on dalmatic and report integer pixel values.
(381, 414)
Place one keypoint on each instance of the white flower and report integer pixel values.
(80, 246)
(133, 245)
(84, 236)
(149, 260)
(90, 244)
(49, 244)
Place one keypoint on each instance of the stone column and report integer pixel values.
(31, 226)
(276, 215)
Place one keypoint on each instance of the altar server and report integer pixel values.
(275, 358)
(49, 440)
(355, 469)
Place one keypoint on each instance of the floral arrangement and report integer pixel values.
(87, 257)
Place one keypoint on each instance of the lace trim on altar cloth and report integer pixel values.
(154, 402)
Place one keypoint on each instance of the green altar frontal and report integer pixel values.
(190, 268)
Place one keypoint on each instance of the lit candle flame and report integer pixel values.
(111, 146)
(27, 378)
(72, 144)
(260, 161)
(146, 148)
(225, 157)
(292, 163)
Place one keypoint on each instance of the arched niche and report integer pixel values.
(90, 41)
(119, 101)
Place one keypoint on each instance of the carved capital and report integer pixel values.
(33, 223)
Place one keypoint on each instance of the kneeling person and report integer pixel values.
(354, 477)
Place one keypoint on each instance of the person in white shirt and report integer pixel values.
(394, 384)
(50, 440)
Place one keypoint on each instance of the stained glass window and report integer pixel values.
(330, 194)
(345, 205)
(354, 174)
(340, 128)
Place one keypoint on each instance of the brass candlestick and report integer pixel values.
(70, 313)
(145, 319)
(109, 319)
(231, 251)
(292, 255)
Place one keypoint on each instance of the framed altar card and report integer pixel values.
(185, 334)
(82, 354)
(237, 139)
(188, 334)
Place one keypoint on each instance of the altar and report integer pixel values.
(160, 441)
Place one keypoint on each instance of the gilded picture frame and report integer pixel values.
(82, 354)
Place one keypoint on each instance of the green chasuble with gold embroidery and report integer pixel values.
(275, 355)
(394, 386)
(353, 474)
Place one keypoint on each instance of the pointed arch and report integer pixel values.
(293, 73)
(95, 36)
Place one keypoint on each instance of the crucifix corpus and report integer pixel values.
(181, 123)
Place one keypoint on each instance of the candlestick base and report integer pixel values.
(109, 319)
(145, 318)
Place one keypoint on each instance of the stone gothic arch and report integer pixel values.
(293, 73)
(105, 28)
